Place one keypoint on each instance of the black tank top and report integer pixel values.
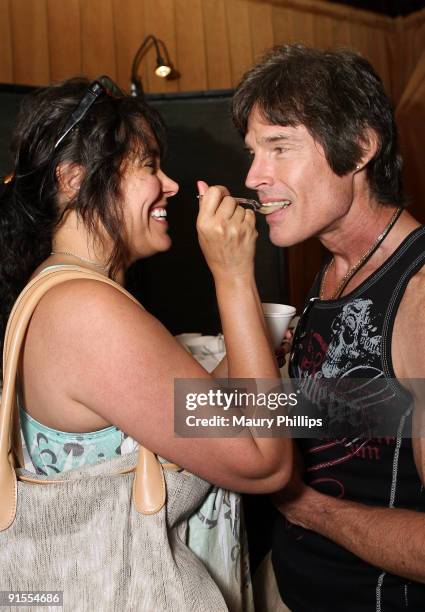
(343, 338)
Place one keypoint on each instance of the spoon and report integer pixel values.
(264, 209)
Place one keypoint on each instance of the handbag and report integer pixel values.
(108, 535)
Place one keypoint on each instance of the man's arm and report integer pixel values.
(390, 538)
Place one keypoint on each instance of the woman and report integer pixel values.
(88, 190)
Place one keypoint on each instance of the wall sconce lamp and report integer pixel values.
(163, 68)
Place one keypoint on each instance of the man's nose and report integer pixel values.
(258, 176)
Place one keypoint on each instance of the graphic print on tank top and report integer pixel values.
(353, 344)
(345, 365)
(353, 340)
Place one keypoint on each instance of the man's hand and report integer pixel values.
(392, 539)
(285, 348)
(290, 500)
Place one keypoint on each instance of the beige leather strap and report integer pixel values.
(149, 485)
(172, 467)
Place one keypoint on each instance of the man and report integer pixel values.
(350, 535)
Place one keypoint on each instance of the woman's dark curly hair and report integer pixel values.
(113, 130)
(336, 95)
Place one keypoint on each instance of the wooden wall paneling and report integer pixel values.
(341, 34)
(261, 23)
(367, 39)
(217, 51)
(64, 27)
(418, 41)
(411, 40)
(397, 59)
(407, 48)
(283, 31)
(160, 21)
(129, 32)
(359, 38)
(323, 32)
(190, 42)
(30, 50)
(239, 33)
(384, 50)
(6, 62)
(98, 40)
(378, 55)
(303, 25)
(370, 35)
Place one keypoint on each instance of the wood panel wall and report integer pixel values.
(210, 42)
(409, 44)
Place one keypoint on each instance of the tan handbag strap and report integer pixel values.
(149, 485)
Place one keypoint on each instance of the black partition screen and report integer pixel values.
(202, 144)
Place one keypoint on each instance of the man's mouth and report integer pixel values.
(270, 207)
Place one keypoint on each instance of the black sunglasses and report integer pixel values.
(102, 85)
(301, 329)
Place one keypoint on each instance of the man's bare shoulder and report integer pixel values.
(409, 330)
(414, 295)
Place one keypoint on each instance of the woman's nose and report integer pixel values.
(169, 187)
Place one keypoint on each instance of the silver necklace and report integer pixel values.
(89, 261)
(363, 259)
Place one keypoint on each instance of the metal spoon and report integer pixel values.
(264, 209)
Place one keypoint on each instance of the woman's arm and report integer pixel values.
(117, 360)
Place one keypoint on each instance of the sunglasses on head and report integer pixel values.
(102, 85)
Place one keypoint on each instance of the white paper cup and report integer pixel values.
(278, 318)
(196, 345)
(183, 338)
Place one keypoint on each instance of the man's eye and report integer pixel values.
(279, 150)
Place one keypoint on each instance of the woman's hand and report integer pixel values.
(226, 232)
